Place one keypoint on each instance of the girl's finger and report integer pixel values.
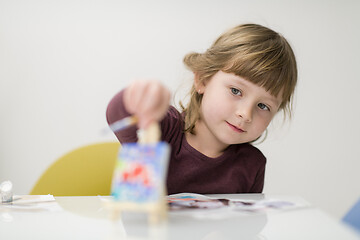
(153, 98)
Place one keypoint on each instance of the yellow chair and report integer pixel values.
(86, 171)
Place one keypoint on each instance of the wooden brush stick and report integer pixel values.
(151, 134)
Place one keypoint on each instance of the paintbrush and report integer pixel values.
(123, 123)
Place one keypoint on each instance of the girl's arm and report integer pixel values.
(116, 111)
(147, 100)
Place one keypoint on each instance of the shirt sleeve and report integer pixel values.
(258, 185)
(116, 111)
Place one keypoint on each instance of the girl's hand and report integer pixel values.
(147, 100)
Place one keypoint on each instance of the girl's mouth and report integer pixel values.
(236, 129)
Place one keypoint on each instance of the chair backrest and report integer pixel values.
(86, 171)
(352, 217)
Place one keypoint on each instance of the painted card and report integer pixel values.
(140, 172)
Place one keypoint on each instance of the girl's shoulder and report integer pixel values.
(174, 113)
(248, 151)
(172, 124)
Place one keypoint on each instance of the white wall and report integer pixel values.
(61, 62)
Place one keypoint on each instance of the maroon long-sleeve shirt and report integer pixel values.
(240, 169)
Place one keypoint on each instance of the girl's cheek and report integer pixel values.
(265, 119)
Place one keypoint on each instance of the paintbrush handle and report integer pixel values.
(151, 134)
(123, 123)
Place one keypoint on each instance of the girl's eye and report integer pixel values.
(263, 107)
(235, 91)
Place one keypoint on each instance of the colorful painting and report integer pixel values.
(140, 172)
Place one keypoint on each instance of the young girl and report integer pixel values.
(240, 83)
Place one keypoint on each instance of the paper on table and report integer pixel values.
(190, 202)
(32, 202)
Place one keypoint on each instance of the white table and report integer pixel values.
(85, 218)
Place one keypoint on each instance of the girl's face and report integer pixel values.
(234, 110)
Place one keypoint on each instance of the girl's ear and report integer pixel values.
(198, 83)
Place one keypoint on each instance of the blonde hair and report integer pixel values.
(251, 51)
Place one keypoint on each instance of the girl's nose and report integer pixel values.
(244, 111)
